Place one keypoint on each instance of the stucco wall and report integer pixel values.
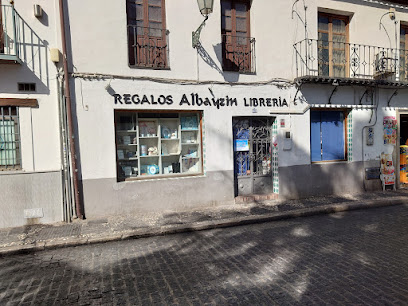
(38, 184)
(22, 191)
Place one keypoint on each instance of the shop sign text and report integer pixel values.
(194, 99)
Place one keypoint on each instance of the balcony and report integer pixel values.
(9, 35)
(148, 47)
(238, 53)
(324, 61)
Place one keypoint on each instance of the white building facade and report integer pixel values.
(31, 176)
(165, 126)
(277, 99)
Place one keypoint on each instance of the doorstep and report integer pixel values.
(255, 198)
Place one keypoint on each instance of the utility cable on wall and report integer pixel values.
(101, 76)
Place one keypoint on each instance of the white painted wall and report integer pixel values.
(38, 184)
(96, 118)
(39, 126)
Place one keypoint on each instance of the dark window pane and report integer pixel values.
(226, 23)
(241, 24)
(339, 26)
(155, 2)
(240, 10)
(323, 23)
(226, 8)
(155, 13)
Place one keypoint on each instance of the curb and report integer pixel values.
(205, 225)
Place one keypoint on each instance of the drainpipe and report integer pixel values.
(78, 202)
(377, 94)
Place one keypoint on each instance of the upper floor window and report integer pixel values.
(1, 29)
(403, 71)
(237, 45)
(147, 35)
(333, 50)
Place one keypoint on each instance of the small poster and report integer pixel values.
(241, 145)
(390, 130)
(387, 169)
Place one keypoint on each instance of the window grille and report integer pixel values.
(9, 138)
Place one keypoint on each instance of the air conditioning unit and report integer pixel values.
(384, 65)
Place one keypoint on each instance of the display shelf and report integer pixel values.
(146, 156)
(126, 131)
(170, 139)
(127, 145)
(148, 128)
(129, 158)
(171, 154)
(148, 137)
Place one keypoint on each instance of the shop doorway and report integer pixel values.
(404, 150)
(252, 155)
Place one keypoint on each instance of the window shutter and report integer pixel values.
(332, 128)
(315, 128)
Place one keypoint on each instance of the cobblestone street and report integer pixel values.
(359, 257)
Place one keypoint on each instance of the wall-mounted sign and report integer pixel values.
(195, 99)
(390, 130)
(282, 123)
(241, 145)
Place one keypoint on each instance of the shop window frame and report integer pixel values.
(345, 113)
(159, 117)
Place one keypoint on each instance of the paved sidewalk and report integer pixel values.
(40, 237)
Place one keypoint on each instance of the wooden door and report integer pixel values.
(147, 38)
(333, 47)
(236, 35)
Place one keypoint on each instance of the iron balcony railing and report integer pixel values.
(148, 47)
(10, 34)
(319, 58)
(238, 53)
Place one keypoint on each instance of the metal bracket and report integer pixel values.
(392, 96)
(366, 92)
(299, 86)
(334, 90)
(196, 33)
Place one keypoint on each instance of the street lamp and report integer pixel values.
(206, 8)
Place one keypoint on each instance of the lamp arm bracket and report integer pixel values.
(196, 33)
(334, 90)
(361, 99)
(392, 96)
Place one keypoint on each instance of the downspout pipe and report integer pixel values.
(377, 94)
(77, 197)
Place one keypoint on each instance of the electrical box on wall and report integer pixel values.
(287, 142)
(55, 55)
(370, 136)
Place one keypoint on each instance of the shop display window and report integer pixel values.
(157, 144)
